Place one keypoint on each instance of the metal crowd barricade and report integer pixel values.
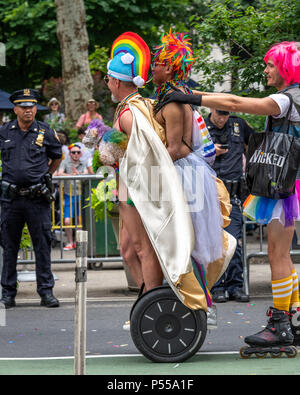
(77, 224)
(86, 180)
(261, 253)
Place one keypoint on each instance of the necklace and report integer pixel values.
(164, 88)
(124, 102)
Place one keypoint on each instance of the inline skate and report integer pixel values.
(277, 338)
(295, 324)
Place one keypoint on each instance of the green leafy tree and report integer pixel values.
(244, 34)
(28, 29)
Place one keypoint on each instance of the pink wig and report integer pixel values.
(286, 57)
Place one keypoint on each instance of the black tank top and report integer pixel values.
(159, 106)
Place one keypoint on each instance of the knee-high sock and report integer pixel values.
(282, 291)
(294, 302)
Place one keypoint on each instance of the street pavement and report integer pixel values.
(33, 331)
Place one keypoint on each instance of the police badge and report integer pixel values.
(40, 138)
(236, 129)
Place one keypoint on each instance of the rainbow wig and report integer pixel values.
(286, 57)
(176, 50)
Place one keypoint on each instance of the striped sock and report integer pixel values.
(294, 302)
(282, 291)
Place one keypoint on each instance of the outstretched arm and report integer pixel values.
(234, 103)
(228, 102)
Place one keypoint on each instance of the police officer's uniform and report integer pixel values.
(229, 168)
(25, 196)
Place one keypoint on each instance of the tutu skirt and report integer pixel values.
(264, 210)
(199, 184)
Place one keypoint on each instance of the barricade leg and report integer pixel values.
(80, 303)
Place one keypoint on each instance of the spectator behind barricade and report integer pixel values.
(70, 166)
(86, 153)
(55, 116)
(92, 105)
(230, 135)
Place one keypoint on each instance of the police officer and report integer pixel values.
(230, 135)
(30, 153)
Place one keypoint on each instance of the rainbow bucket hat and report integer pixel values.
(129, 59)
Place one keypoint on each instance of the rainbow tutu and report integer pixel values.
(263, 210)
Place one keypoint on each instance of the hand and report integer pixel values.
(180, 97)
(219, 150)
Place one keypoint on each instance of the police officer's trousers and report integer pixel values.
(232, 279)
(37, 214)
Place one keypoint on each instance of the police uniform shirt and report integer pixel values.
(229, 166)
(25, 155)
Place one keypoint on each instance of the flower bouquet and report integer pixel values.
(94, 132)
(105, 194)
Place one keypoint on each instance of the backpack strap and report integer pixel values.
(285, 123)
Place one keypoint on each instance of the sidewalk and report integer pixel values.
(110, 282)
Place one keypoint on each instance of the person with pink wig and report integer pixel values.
(282, 72)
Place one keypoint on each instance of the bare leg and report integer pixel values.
(69, 231)
(279, 242)
(130, 257)
(151, 270)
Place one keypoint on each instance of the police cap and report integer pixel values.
(25, 97)
(221, 112)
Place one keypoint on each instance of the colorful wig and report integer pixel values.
(175, 50)
(286, 57)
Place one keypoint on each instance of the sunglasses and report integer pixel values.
(75, 152)
(54, 104)
(106, 79)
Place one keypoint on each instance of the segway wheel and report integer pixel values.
(163, 329)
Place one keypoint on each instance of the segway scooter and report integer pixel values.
(163, 329)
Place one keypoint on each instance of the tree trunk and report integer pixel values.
(73, 38)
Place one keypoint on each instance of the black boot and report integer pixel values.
(8, 301)
(49, 300)
(295, 324)
(278, 331)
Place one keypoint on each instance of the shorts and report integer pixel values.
(71, 204)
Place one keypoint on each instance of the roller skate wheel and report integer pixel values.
(275, 354)
(260, 355)
(292, 353)
(243, 353)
